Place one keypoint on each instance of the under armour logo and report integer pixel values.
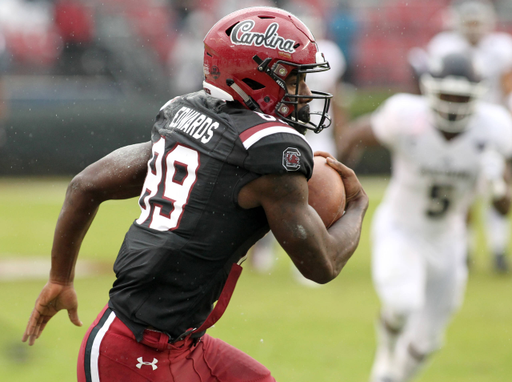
(152, 364)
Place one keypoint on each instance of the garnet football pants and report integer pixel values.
(110, 353)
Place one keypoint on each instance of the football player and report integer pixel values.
(224, 165)
(441, 143)
(474, 32)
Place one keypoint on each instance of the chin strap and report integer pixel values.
(249, 102)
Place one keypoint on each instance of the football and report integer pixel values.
(326, 192)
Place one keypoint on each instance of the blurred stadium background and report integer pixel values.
(79, 78)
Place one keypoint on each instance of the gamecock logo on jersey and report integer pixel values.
(291, 159)
(242, 35)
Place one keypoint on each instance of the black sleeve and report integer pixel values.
(280, 153)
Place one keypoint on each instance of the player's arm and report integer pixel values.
(318, 253)
(502, 193)
(497, 172)
(340, 115)
(506, 85)
(119, 175)
(358, 136)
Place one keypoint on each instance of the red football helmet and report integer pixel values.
(249, 53)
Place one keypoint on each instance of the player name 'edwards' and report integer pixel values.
(194, 123)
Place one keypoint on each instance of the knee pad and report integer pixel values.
(394, 319)
(422, 346)
(417, 354)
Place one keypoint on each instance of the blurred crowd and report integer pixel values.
(133, 41)
(141, 42)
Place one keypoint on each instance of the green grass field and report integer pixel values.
(302, 334)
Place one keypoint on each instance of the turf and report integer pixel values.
(300, 333)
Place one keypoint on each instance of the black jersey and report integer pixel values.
(176, 256)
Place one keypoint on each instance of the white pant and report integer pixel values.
(419, 278)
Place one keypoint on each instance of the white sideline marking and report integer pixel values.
(14, 268)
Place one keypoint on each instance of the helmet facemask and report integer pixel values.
(452, 86)
(287, 108)
(453, 100)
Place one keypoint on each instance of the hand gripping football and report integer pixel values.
(326, 192)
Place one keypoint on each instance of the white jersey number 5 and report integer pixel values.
(440, 200)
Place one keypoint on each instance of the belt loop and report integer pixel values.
(163, 341)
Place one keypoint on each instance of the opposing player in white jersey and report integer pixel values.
(474, 32)
(441, 143)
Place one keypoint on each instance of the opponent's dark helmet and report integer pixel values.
(249, 53)
(452, 86)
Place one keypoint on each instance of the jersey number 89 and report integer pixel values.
(164, 194)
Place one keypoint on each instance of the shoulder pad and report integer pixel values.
(275, 147)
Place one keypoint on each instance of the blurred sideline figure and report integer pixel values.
(264, 251)
(74, 20)
(474, 31)
(441, 143)
(225, 165)
(343, 29)
(4, 107)
(185, 60)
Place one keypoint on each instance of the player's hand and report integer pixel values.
(493, 164)
(493, 167)
(53, 297)
(353, 189)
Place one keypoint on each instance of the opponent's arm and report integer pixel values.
(501, 191)
(357, 136)
(339, 114)
(318, 253)
(496, 170)
(119, 175)
(506, 87)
